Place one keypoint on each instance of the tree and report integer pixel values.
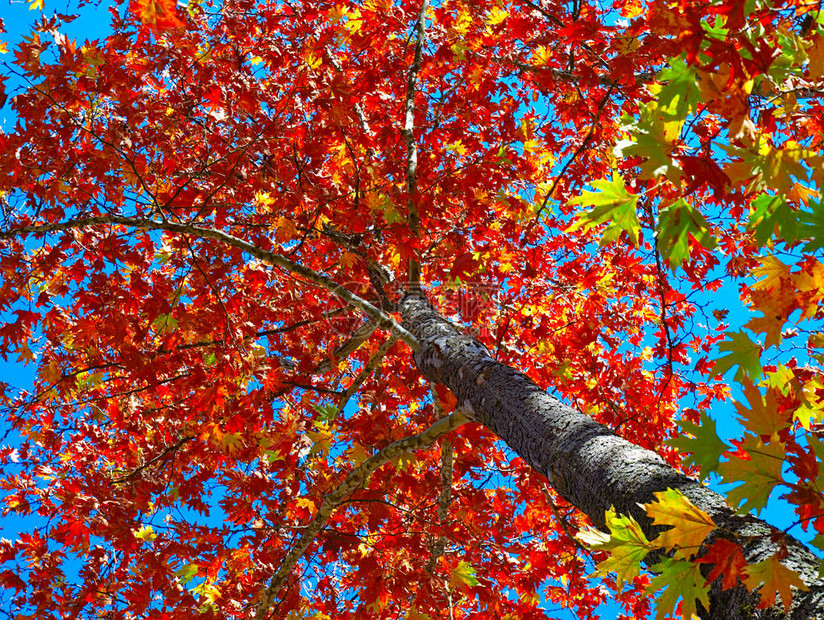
(227, 228)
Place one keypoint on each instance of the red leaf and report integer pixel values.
(729, 562)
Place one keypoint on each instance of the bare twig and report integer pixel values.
(340, 493)
(581, 148)
(169, 450)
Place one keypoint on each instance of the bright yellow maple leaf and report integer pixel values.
(690, 524)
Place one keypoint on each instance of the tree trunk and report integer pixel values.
(586, 462)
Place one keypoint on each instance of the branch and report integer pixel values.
(339, 494)
(360, 336)
(379, 316)
(444, 499)
(162, 456)
(409, 137)
(367, 370)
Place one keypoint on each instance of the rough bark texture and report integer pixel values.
(586, 462)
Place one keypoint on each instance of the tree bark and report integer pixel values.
(587, 463)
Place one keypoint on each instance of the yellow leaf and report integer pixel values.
(816, 55)
(286, 230)
(496, 16)
(358, 454)
(305, 502)
(145, 533)
(36, 4)
(348, 259)
(463, 575)
(690, 524)
(633, 8)
(208, 591)
(626, 543)
(773, 270)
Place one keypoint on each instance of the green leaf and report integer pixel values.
(741, 351)
(463, 574)
(811, 226)
(653, 137)
(187, 573)
(675, 225)
(759, 469)
(716, 30)
(612, 203)
(772, 214)
(165, 324)
(705, 447)
(682, 579)
(679, 96)
(626, 542)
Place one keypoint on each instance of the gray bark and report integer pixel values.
(586, 462)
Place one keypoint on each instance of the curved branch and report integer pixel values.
(340, 493)
(379, 316)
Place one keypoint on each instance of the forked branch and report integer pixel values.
(376, 314)
(356, 478)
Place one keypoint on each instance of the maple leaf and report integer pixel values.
(676, 224)
(772, 577)
(771, 215)
(146, 533)
(811, 226)
(681, 579)
(773, 270)
(757, 466)
(463, 575)
(728, 561)
(690, 524)
(741, 352)
(613, 204)
(158, 15)
(679, 94)
(763, 417)
(653, 134)
(626, 543)
(704, 445)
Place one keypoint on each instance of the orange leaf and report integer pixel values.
(158, 15)
(775, 577)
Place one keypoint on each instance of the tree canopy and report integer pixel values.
(394, 309)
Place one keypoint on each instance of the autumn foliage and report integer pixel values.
(210, 215)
